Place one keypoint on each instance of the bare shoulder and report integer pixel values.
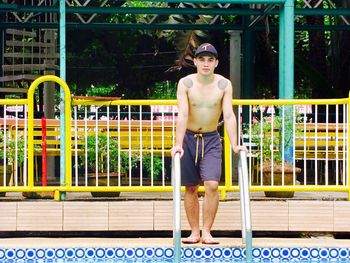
(223, 83)
(188, 81)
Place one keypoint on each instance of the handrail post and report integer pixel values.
(176, 179)
(241, 200)
(245, 206)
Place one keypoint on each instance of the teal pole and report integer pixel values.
(288, 74)
(281, 56)
(62, 34)
(289, 49)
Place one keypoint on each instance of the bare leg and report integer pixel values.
(210, 207)
(192, 211)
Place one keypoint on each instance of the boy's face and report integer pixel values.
(205, 63)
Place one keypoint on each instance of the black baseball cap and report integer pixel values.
(206, 48)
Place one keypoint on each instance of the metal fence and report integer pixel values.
(124, 145)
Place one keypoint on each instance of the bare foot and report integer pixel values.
(191, 240)
(210, 241)
(207, 239)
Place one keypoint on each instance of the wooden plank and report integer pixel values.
(163, 216)
(94, 98)
(311, 216)
(8, 216)
(29, 67)
(270, 215)
(39, 216)
(16, 43)
(139, 215)
(341, 216)
(130, 215)
(13, 90)
(30, 55)
(86, 216)
(228, 216)
(19, 77)
(20, 32)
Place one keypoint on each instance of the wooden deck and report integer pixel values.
(156, 215)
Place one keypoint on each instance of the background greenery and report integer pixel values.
(134, 61)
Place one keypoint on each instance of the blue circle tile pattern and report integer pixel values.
(343, 253)
(188, 253)
(217, 252)
(149, 252)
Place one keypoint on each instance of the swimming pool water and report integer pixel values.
(166, 254)
(169, 261)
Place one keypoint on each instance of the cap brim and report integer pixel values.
(208, 53)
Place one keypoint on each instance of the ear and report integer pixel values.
(217, 63)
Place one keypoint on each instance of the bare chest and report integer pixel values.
(205, 97)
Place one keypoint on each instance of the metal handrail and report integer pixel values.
(247, 237)
(176, 181)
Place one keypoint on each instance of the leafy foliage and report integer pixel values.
(136, 59)
(273, 132)
(185, 41)
(163, 90)
(157, 165)
(103, 146)
(11, 153)
(101, 90)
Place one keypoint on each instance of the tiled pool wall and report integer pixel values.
(259, 254)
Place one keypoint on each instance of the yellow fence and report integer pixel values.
(124, 145)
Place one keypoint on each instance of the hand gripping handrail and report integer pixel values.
(176, 181)
(245, 205)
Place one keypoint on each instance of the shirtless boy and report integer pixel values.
(202, 97)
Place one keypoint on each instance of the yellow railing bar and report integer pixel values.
(124, 102)
(13, 101)
(290, 102)
(67, 109)
(348, 147)
(223, 189)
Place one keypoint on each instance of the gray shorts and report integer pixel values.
(198, 165)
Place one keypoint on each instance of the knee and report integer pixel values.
(211, 187)
(192, 190)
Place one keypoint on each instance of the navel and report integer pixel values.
(188, 83)
(222, 83)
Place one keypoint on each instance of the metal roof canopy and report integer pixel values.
(219, 10)
(285, 11)
(4, 8)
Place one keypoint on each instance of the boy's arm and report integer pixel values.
(230, 118)
(182, 117)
